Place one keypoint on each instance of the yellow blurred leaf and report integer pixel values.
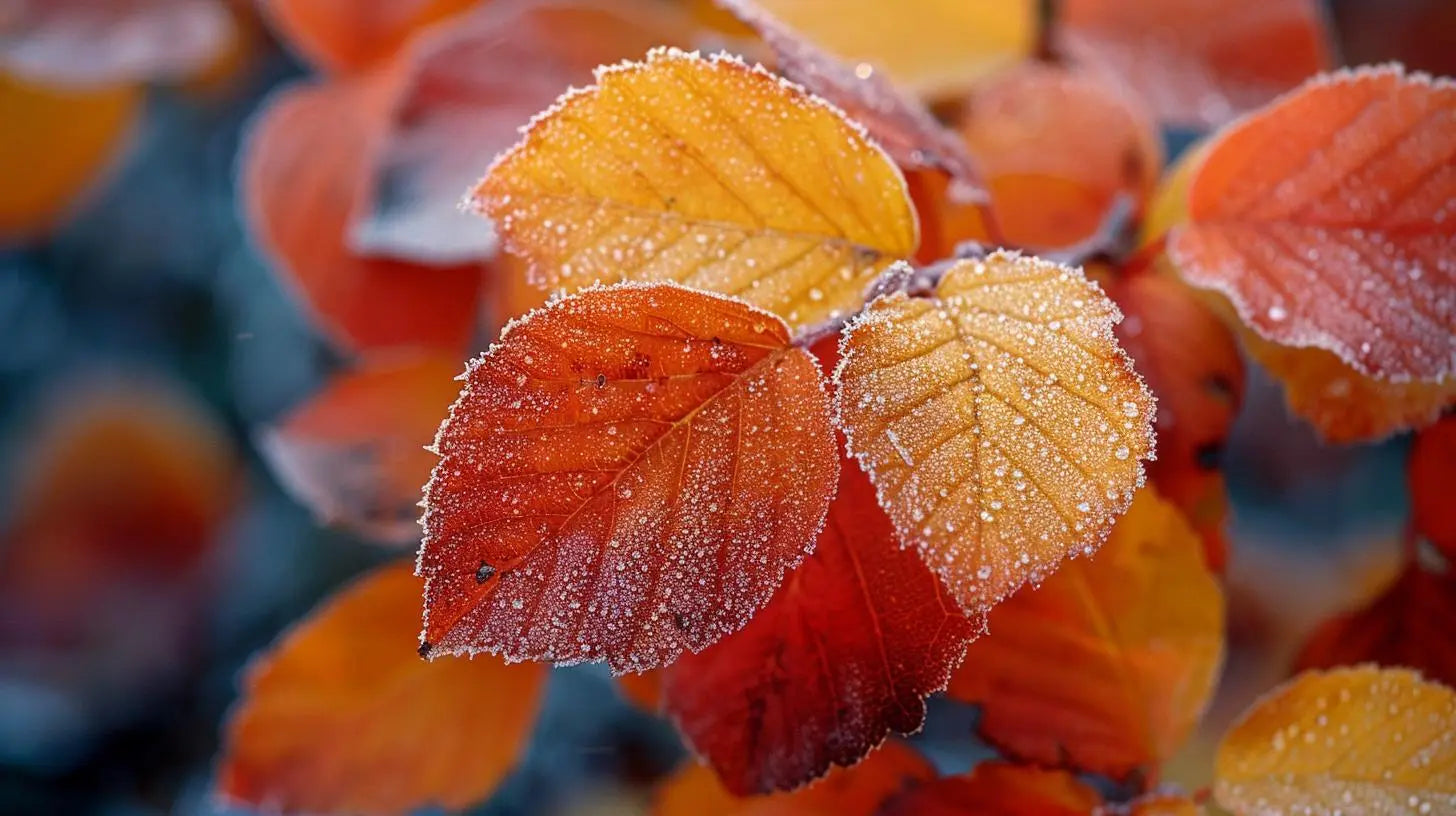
(1002, 425)
(929, 47)
(1359, 740)
(709, 173)
(53, 145)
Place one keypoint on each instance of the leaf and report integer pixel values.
(352, 35)
(845, 653)
(1192, 363)
(995, 788)
(642, 690)
(1049, 190)
(465, 90)
(69, 138)
(1001, 424)
(1340, 402)
(1198, 63)
(708, 173)
(900, 123)
(945, 221)
(1432, 476)
(628, 473)
(59, 42)
(931, 48)
(857, 791)
(1107, 666)
(355, 453)
(1407, 625)
(341, 715)
(1354, 740)
(302, 174)
(1327, 221)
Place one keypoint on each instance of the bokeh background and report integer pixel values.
(147, 549)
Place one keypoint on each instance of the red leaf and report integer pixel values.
(465, 90)
(1408, 625)
(342, 716)
(355, 452)
(303, 173)
(1192, 364)
(1329, 221)
(845, 653)
(1433, 484)
(1199, 62)
(998, 789)
(627, 474)
(350, 35)
(857, 791)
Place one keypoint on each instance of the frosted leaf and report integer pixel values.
(632, 469)
(969, 408)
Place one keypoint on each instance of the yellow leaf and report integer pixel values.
(54, 144)
(933, 48)
(708, 173)
(1002, 425)
(1358, 740)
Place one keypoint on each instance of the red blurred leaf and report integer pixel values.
(88, 43)
(303, 173)
(1107, 666)
(996, 788)
(1199, 63)
(342, 716)
(466, 89)
(899, 122)
(858, 791)
(627, 474)
(1433, 485)
(350, 35)
(845, 653)
(1329, 221)
(355, 452)
(1058, 148)
(1192, 364)
(1407, 625)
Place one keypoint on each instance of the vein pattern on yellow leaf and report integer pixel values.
(1328, 219)
(930, 47)
(1002, 425)
(1107, 666)
(342, 716)
(705, 172)
(1359, 740)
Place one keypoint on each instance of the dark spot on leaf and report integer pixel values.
(1208, 455)
(484, 573)
(680, 621)
(425, 647)
(601, 381)
(1220, 387)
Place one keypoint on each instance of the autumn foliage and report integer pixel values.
(873, 356)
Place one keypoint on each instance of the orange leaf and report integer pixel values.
(303, 172)
(857, 791)
(355, 453)
(1329, 221)
(642, 690)
(342, 716)
(900, 123)
(1408, 625)
(60, 41)
(705, 172)
(350, 35)
(1361, 740)
(629, 473)
(929, 47)
(67, 139)
(1432, 474)
(945, 220)
(994, 788)
(1051, 190)
(1192, 363)
(845, 653)
(1001, 424)
(1340, 402)
(1199, 63)
(1108, 665)
(466, 88)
